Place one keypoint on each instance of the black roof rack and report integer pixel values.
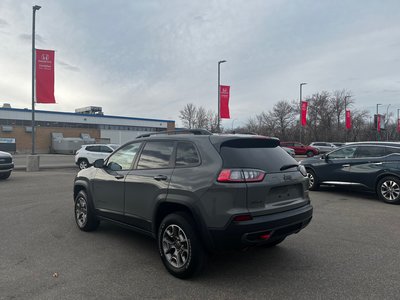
(178, 131)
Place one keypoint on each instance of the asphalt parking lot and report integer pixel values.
(350, 250)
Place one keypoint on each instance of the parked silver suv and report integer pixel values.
(197, 191)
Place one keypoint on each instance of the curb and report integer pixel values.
(48, 167)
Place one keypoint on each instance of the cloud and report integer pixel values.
(28, 37)
(162, 54)
(67, 66)
(3, 23)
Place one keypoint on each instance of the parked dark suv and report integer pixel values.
(197, 192)
(372, 165)
(6, 165)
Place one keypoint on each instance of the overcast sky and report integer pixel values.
(149, 58)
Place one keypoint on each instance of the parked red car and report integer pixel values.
(301, 149)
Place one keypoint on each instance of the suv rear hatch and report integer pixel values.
(273, 179)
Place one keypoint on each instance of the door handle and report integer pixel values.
(346, 165)
(160, 177)
(378, 164)
(119, 176)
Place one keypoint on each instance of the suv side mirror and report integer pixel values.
(99, 163)
(324, 156)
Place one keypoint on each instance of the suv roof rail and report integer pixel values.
(178, 131)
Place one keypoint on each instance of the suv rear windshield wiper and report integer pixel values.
(285, 167)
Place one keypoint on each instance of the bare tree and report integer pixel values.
(201, 118)
(283, 117)
(188, 116)
(213, 121)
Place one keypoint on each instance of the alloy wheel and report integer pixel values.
(81, 212)
(311, 180)
(83, 164)
(390, 190)
(175, 246)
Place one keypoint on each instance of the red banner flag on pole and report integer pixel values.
(398, 125)
(378, 123)
(224, 101)
(304, 113)
(348, 119)
(45, 76)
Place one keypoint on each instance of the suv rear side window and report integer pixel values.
(392, 150)
(256, 155)
(370, 151)
(93, 148)
(186, 155)
(156, 155)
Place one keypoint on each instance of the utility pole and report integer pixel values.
(377, 117)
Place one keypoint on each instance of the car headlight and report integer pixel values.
(303, 170)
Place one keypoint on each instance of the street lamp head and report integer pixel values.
(222, 61)
(36, 7)
(303, 83)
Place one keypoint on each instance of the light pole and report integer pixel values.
(219, 77)
(34, 8)
(387, 122)
(233, 121)
(345, 116)
(377, 116)
(301, 90)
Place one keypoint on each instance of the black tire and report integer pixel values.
(309, 153)
(5, 175)
(388, 189)
(313, 184)
(85, 217)
(177, 231)
(83, 163)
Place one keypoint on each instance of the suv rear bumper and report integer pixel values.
(248, 233)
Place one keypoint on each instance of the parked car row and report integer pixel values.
(314, 148)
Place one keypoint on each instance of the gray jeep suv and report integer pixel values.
(197, 192)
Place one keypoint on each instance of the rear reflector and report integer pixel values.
(241, 175)
(242, 218)
(265, 236)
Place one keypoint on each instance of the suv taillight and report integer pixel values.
(241, 175)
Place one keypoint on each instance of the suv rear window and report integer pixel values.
(186, 155)
(255, 154)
